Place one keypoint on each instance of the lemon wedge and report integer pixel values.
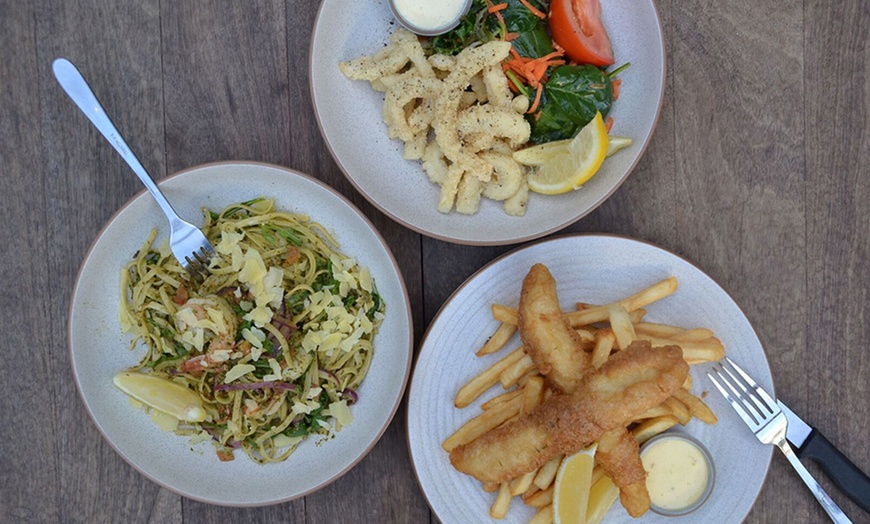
(162, 394)
(573, 484)
(575, 165)
(539, 155)
(601, 497)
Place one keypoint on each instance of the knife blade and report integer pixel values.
(810, 443)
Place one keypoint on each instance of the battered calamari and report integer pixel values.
(629, 383)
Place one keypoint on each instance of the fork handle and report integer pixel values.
(75, 85)
(824, 499)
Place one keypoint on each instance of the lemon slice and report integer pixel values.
(616, 143)
(573, 483)
(601, 497)
(162, 394)
(575, 165)
(539, 155)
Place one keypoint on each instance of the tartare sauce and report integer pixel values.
(429, 17)
(678, 474)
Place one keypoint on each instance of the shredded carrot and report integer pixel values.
(496, 10)
(609, 123)
(508, 37)
(537, 101)
(616, 83)
(497, 7)
(534, 11)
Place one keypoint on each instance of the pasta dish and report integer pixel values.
(274, 342)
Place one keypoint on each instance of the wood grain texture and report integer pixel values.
(837, 116)
(756, 173)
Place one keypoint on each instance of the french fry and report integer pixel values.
(679, 410)
(698, 407)
(586, 335)
(547, 473)
(597, 474)
(658, 330)
(637, 315)
(498, 399)
(510, 376)
(533, 394)
(654, 412)
(540, 498)
(487, 379)
(544, 515)
(489, 419)
(603, 346)
(687, 384)
(502, 502)
(708, 350)
(498, 339)
(519, 485)
(505, 314)
(652, 427)
(641, 299)
(622, 327)
(694, 335)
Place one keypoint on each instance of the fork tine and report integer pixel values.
(746, 394)
(771, 404)
(737, 405)
(740, 394)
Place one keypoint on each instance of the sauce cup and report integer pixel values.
(680, 471)
(429, 17)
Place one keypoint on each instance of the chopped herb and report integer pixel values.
(375, 308)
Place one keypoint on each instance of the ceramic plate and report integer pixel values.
(99, 349)
(594, 269)
(349, 114)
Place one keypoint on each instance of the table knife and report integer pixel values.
(810, 443)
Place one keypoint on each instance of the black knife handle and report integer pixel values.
(851, 480)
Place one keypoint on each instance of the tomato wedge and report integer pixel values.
(576, 26)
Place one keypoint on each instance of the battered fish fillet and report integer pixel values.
(547, 337)
(619, 456)
(628, 384)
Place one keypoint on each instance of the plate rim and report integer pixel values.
(508, 241)
(404, 292)
(517, 250)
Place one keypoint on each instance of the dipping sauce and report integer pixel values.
(679, 473)
(429, 17)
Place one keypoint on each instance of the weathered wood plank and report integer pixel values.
(740, 210)
(116, 46)
(24, 305)
(837, 122)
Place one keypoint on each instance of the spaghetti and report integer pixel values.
(275, 340)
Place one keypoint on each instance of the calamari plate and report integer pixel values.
(594, 269)
(350, 117)
(99, 349)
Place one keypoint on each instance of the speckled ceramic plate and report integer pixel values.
(99, 349)
(594, 269)
(350, 118)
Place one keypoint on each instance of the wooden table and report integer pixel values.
(756, 173)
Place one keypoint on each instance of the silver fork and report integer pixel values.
(765, 418)
(189, 245)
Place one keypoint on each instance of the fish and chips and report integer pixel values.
(598, 375)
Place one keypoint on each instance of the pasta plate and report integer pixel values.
(99, 349)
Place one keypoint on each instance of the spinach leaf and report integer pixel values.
(534, 39)
(470, 29)
(571, 97)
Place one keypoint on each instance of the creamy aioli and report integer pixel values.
(678, 473)
(429, 14)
